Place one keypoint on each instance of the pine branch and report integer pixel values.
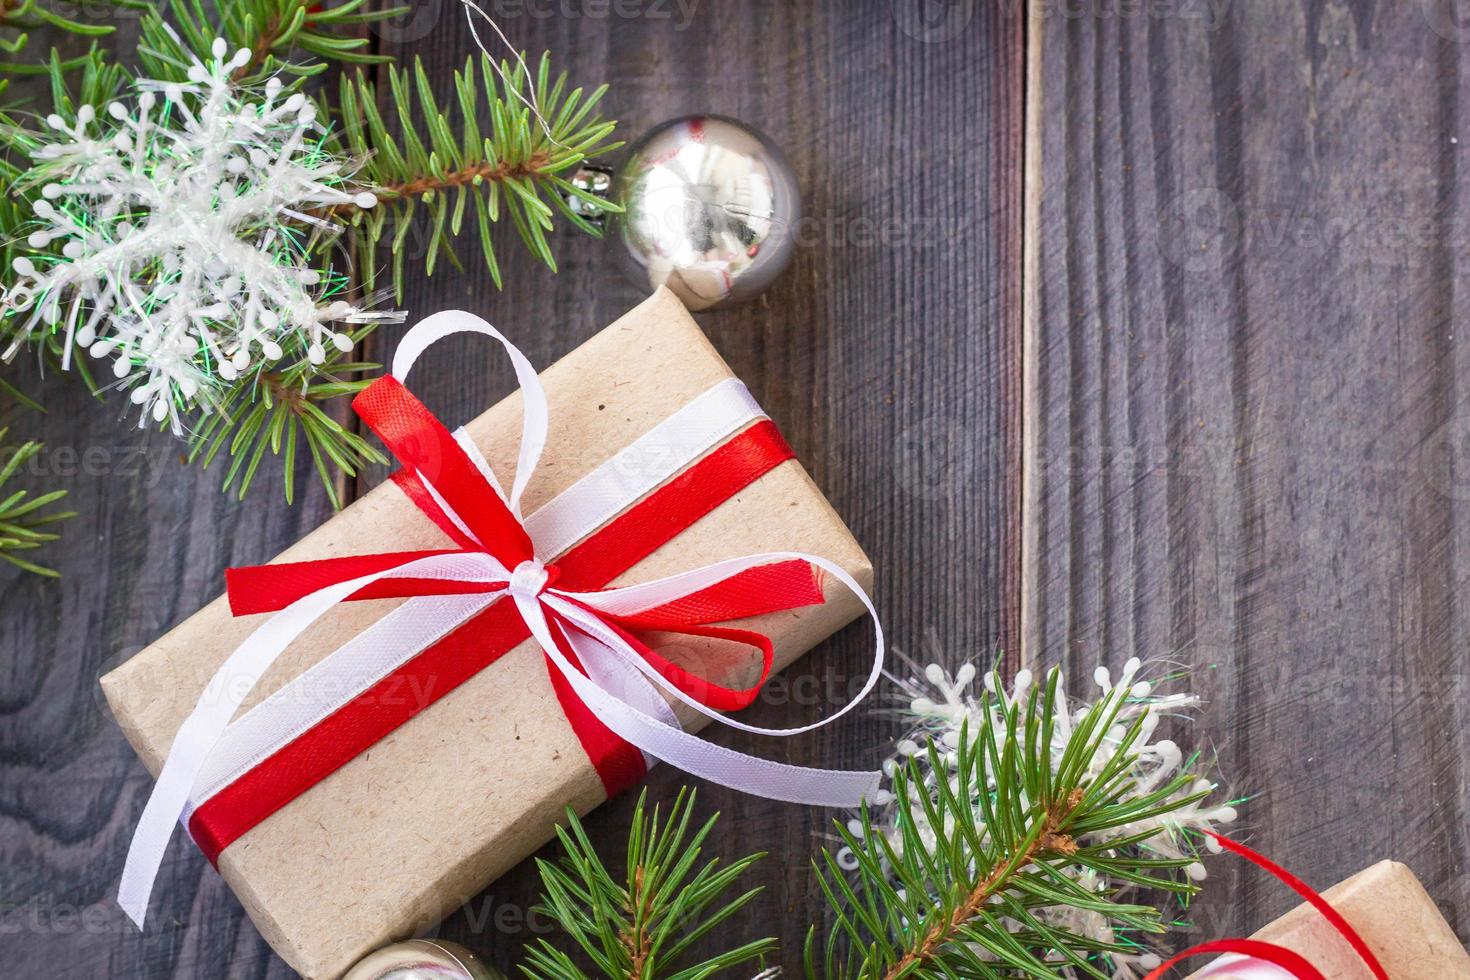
(17, 17)
(1011, 845)
(1012, 849)
(299, 37)
(280, 411)
(23, 517)
(491, 156)
(96, 84)
(642, 925)
(488, 155)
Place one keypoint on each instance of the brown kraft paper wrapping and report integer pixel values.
(1394, 915)
(431, 814)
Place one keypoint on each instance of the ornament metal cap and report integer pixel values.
(422, 959)
(711, 208)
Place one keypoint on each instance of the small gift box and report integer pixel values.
(394, 753)
(1388, 908)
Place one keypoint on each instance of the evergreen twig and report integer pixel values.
(1028, 845)
(428, 167)
(642, 925)
(487, 155)
(282, 410)
(1020, 821)
(23, 517)
(19, 17)
(299, 37)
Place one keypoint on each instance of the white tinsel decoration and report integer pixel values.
(941, 704)
(184, 220)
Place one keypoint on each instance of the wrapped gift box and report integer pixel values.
(1393, 913)
(426, 818)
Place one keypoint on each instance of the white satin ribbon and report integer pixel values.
(535, 415)
(619, 687)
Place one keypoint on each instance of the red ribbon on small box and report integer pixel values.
(1256, 951)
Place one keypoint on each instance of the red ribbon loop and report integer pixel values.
(1294, 963)
(433, 457)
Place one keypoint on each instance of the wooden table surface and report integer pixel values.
(1116, 329)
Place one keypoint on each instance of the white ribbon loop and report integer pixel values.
(535, 413)
(749, 774)
(618, 686)
(637, 598)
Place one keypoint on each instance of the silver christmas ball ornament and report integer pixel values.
(422, 959)
(711, 209)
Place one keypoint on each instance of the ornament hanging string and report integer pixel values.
(1257, 952)
(606, 678)
(471, 10)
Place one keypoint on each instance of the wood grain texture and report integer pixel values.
(1248, 414)
(888, 354)
(147, 548)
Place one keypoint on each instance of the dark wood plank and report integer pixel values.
(888, 354)
(148, 547)
(1246, 406)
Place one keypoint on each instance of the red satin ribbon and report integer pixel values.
(430, 453)
(1294, 963)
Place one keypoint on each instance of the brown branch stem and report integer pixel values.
(419, 186)
(635, 937)
(1051, 839)
(260, 50)
(290, 395)
(469, 175)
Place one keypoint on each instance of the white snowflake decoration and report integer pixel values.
(184, 221)
(941, 704)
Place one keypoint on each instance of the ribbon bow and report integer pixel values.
(611, 684)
